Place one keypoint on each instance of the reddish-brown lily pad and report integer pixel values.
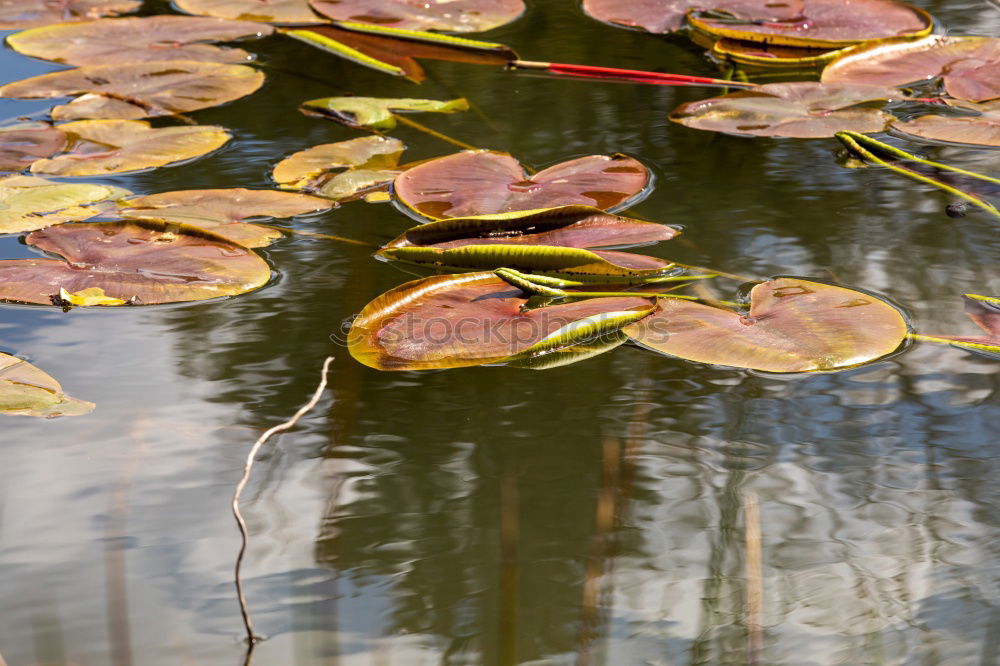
(452, 321)
(19, 14)
(139, 263)
(22, 144)
(981, 130)
(451, 16)
(969, 66)
(27, 391)
(272, 11)
(792, 325)
(342, 170)
(800, 109)
(486, 182)
(138, 39)
(662, 16)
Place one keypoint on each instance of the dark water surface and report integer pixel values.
(590, 514)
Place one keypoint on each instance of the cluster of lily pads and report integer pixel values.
(523, 273)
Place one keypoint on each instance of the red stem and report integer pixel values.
(638, 76)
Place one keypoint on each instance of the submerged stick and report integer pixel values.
(247, 467)
(755, 586)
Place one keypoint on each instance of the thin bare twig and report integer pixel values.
(754, 581)
(247, 467)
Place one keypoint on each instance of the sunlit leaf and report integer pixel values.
(28, 203)
(140, 90)
(374, 113)
(969, 66)
(486, 182)
(134, 39)
(27, 391)
(800, 109)
(451, 321)
(984, 311)
(824, 24)
(22, 144)
(341, 170)
(18, 14)
(223, 211)
(451, 16)
(87, 297)
(565, 226)
(140, 263)
(117, 146)
(572, 354)
(273, 11)
(792, 325)
(661, 16)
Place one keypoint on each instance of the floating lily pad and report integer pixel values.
(969, 66)
(662, 16)
(222, 211)
(342, 170)
(792, 325)
(22, 144)
(27, 391)
(984, 311)
(486, 182)
(134, 39)
(801, 109)
(19, 14)
(28, 203)
(772, 56)
(451, 16)
(118, 146)
(139, 263)
(565, 226)
(981, 130)
(452, 321)
(374, 113)
(140, 90)
(273, 11)
(824, 23)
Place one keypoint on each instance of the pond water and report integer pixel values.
(589, 514)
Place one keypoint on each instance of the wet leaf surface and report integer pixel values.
(342, 170)
(118, 146)
(274, 11)
(19, 14)
(452, 321)
(27, 391)
(28, 203)
(223, 211)
(792, 325)
(486, 182)
(453, 16)
(661, 16)
(980, 130)
(140, 263)
(800, 109)
(140, 90)
(22, 144)
(135, 39)
(375, 113)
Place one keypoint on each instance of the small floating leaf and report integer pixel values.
(22, 144)
(374, 113)
(140, 90)
(87, 297)
(28, 203)
(793, 325)
(27, 391)
(451, 16)
(140, 263)
(486, 182)
(274, 11)
(800, 109)
(18, 14)
(662, 16)
(117, 146)
(222, 211)
(341, 170)
(135, 39)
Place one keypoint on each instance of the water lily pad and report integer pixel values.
(662, 16)
(28, 203)
(27, 391)
(451, 16)
(140, 90)
(18, 14)
(824, 23)
(272, 11)
(487, 182)
(134, 39)
(565, 226)
(452, 321)
(139, 263)
(801, 109)
(771, 56)
(342, 170)
(969, 66)
(792, 325)
(984, 311)
(981, 130)
(22, 144)
(223, 211)
(118, 146)
(374, 113)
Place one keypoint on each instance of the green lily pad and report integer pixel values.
(140, 90)
(24, 143)
(792, 325)
(118, 146)
(663, 16)
(27, 391)
(19, 14)
(28, 203)
(139, 263)
(272, 11)
(451, 16)
(342, 170)
(374, 113)
(137, 39)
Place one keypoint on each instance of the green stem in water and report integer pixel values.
(958, 343)
(533, 285)
(434, 133)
